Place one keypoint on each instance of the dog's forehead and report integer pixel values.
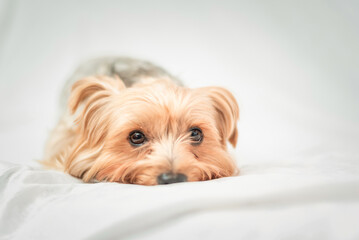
(160, 106)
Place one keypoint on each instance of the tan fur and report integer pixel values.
(91, 140)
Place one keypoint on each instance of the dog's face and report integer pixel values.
(153, 133)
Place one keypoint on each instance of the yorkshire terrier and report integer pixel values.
(129, 121)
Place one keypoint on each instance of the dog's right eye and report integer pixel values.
(137, 138)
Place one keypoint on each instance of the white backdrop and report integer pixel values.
(292, 65)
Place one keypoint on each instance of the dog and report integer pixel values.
(129, 121)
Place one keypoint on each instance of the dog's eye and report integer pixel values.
(137, 138)
(196, 135)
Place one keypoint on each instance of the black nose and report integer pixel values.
(167, 178)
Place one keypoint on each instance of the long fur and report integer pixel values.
(91, 140)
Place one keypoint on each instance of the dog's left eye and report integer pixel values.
(196, 135)
(137, 138)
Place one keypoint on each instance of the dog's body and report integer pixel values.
(130, 121)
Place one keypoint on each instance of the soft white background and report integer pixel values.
(292, 65)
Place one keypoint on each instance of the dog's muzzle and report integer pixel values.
(167, 178)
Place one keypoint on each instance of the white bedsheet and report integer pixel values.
(292, 202)
(292, 65)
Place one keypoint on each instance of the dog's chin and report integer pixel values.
(150, 180)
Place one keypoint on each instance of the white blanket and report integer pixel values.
(292, 65)
(282, 202)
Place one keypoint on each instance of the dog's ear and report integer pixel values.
(93, 94)
(227, 113)
(90, 98)
(93, 88)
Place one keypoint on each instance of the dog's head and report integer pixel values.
(151, 133)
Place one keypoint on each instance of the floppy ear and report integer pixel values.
(93, 95)
(227, 113)
(93, 88)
